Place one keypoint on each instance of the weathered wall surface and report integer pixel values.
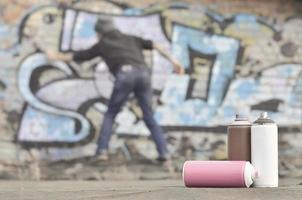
(239, 57)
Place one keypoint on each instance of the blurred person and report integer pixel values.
(123, 55)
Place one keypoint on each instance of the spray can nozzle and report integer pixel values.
(263, 115)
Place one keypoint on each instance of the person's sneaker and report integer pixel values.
(164, 158)
(102, 156)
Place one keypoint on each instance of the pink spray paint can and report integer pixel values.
(218, 174)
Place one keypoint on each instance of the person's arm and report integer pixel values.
(177, 65)
(59, 56)
(148, 44)
(78, 56)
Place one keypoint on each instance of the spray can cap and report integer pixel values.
(240, 120)
(249, 174)
(264, 119)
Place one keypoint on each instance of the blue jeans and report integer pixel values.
(132, 79)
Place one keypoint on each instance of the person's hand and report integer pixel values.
(178, 68)
(51, 55)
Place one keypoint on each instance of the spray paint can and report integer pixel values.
(218, 174)
(264, 143)
(239, 139)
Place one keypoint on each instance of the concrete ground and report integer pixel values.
(158, 189)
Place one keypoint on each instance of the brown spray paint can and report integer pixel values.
(239, 139)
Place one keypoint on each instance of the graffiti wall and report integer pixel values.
(236, 59)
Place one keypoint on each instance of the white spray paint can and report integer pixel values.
(264, 151)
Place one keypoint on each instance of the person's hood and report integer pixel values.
(104, 25)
